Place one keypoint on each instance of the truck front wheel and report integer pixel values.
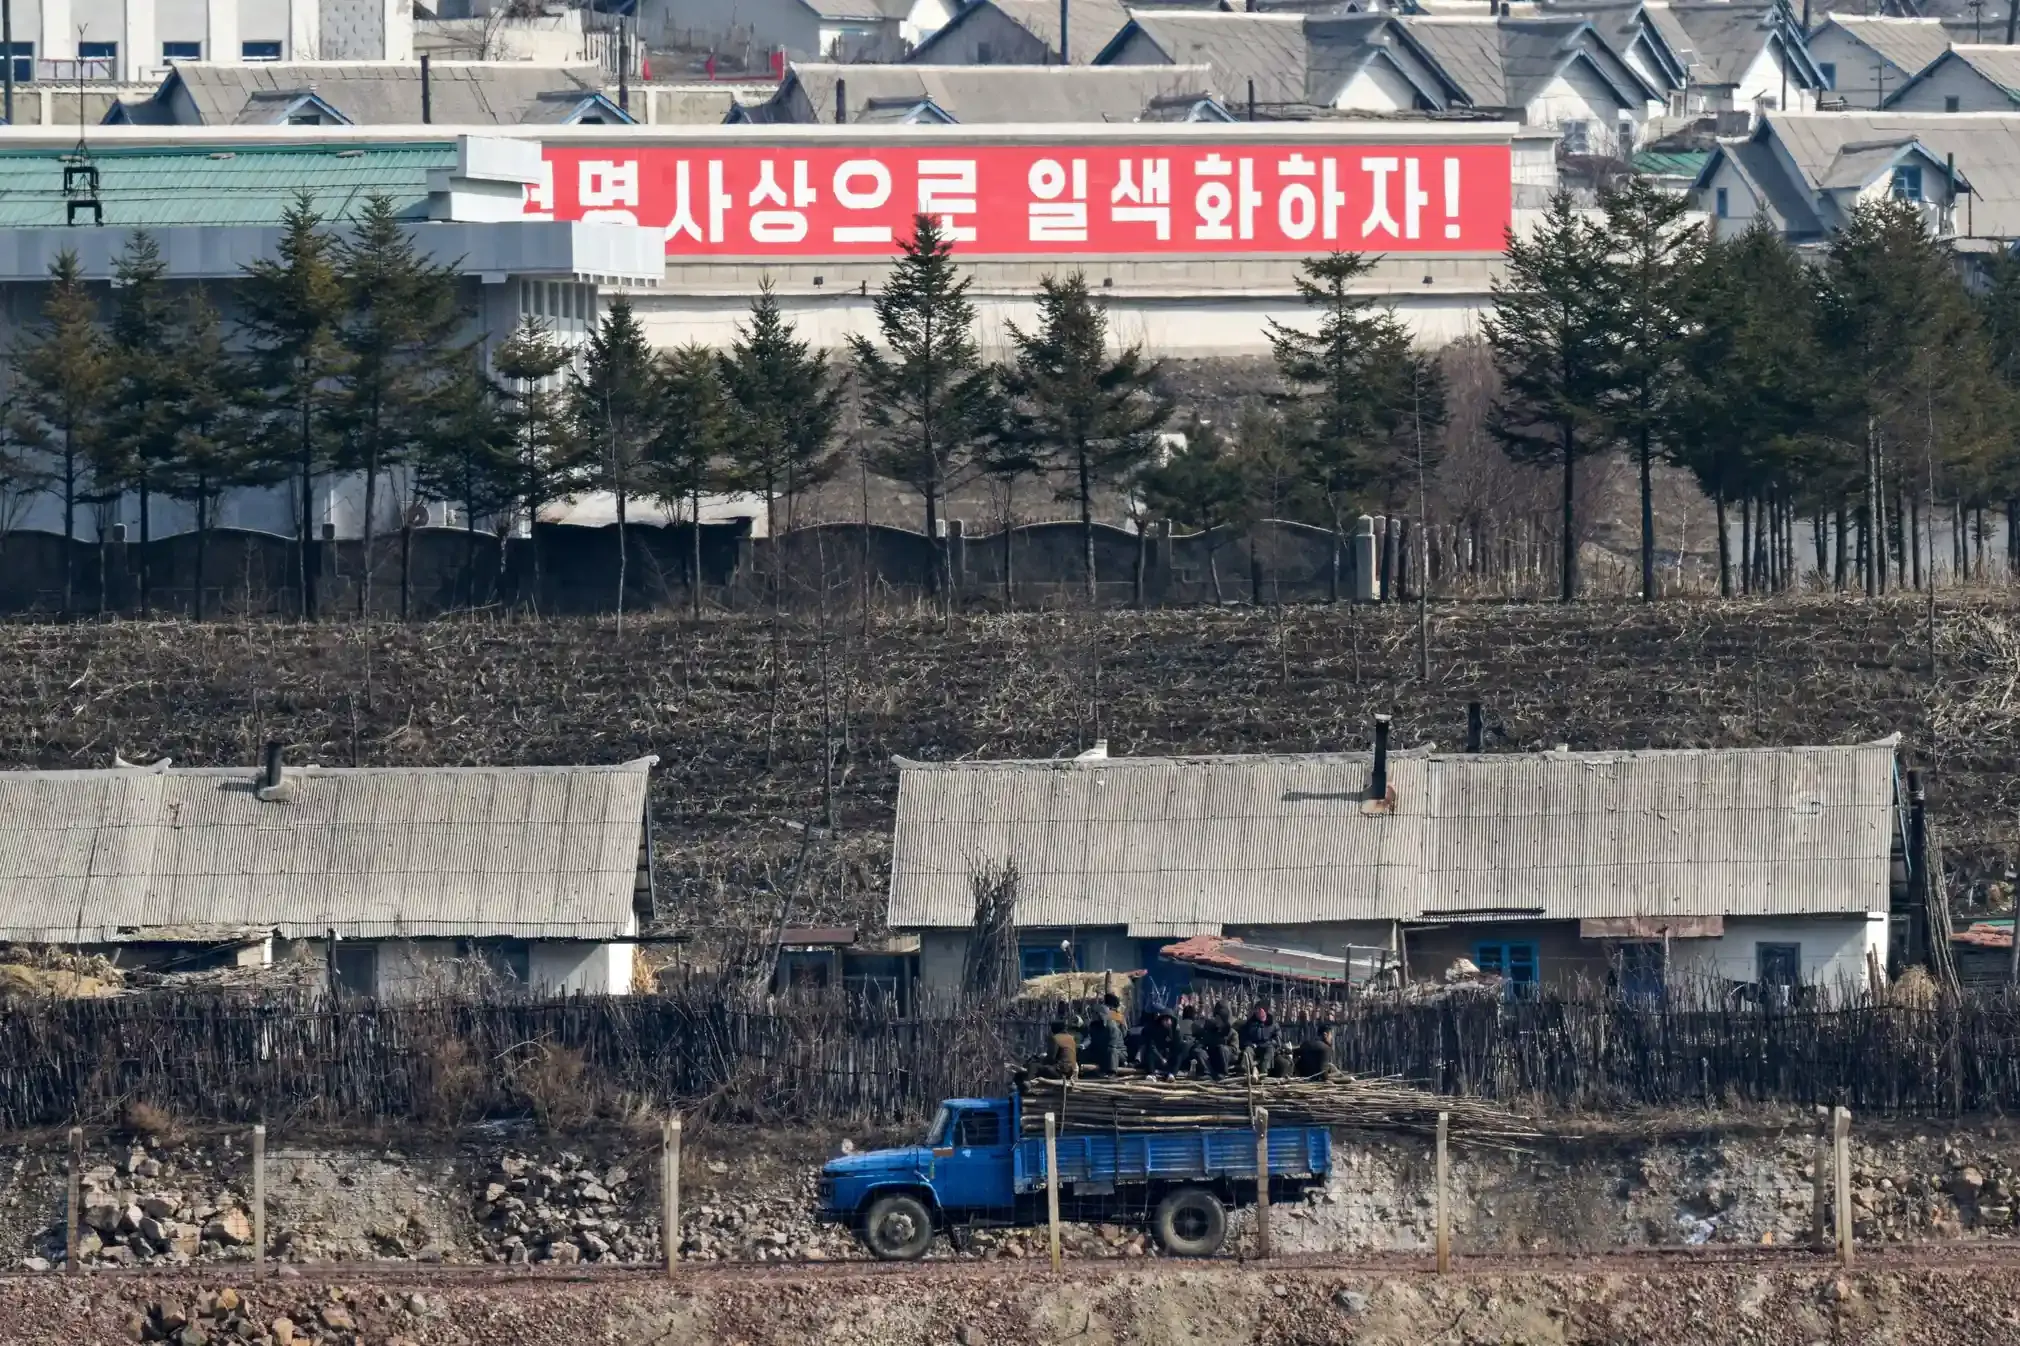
(1190, 1222)
(897, 1229)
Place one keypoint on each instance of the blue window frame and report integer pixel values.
(24, 62)
(1514, 959)
(1908, 182)
(1041, 960)
(1829, 70)
(182, 51)
(259, 51)
(1723, 204)
(108, 52)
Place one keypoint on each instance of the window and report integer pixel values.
(355, 969)
(1514, 960)
(1829, 70)
(182, 51)
(306, 117)
(259, 51)
(1778, 965)
(981, 1129)
(1950, 103)
(1577, 136)
(103, 57)
(509, 960)
(24, 62)
(1640, 970)
(1724, 203)
(1908, 183)
(984, 54)
(1041, 960)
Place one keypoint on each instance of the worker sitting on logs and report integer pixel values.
(1314, 1056)
(1105, 1030)
(1064, 1060)
(1214, 1041)
(1260, 1040)
(1160, 1046)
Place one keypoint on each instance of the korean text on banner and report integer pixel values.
(1015, 200)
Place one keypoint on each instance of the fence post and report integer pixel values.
(73, 1217)
(1841, 1147)
(1262, 1182)
(1818, 1171)
(1052, 1183)
(1443, 1211)
(259, 1198)
(669, 1191)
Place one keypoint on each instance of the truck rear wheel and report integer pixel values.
(898, 1229)
(1190, 1222)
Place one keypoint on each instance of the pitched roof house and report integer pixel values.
(1291, 64)
(380, 93)
(1749, 864)
(1865, 59)
(541, 870)
(1544, 72)
(930, 95)
(1963, 79)
(1023, 32)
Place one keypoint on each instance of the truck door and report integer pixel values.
(974, 1172)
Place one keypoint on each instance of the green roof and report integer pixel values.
(158, 187)
(1671, 163)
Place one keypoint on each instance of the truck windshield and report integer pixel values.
(942, 1127)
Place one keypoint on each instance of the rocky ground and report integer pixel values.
(508, 1196)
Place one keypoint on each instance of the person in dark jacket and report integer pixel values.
(1314, 1055)
(1160, 1045)
(1065, 1058)
(1189, 1058)
(1102, 1049)
(1260, 1040)
(1215, 1040)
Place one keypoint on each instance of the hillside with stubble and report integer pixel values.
(742, 712)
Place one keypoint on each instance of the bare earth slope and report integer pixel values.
(735, 708)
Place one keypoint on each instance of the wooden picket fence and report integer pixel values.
(292, 1060)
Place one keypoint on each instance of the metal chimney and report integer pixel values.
(1378, 781)
(1476, 728)
(427, 93)
(270, 774)
(841, 102)
(1065, 46)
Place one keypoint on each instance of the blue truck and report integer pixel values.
(976, 1169)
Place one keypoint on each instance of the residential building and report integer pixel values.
(1738, 57)
(1546, 72)
(1865, 60)
(1290, 64)
(1804, 172)
(1023, 32)
(1964, 79)
(944, 95)
(804, 30)
(215, 205)
(1625, 27)
(397, 880)
(1740, 867)
(342, 93)
(134, 40)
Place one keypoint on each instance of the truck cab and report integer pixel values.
(961, 1173)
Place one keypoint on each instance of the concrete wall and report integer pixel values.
(1378, 87)
(1858, 83)
(1834, 949)
(983, 36)
(766, 24)
(1562, 957)
(1741, 203)
(410, 968)
(1952, 79)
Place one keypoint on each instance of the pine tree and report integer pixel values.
(214, 448)
(1203, 486)
(1655, 249)
(1344, 377)
(399, 318)
(1553, 341)
(143, 369)
(1088, 417)
(689, 459)
(289, 305)
(786, 401)
(614, 399)
(931, 395)
(62, 371)
(551, 463)
(468, 452)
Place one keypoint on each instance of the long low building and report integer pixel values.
(1762, 867)
(398, 881)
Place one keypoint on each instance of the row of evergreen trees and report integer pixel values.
(1854, 391)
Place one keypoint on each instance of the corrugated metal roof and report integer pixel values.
(1199, 843)
(388, 93)
(1269, 49)
(1909, 44)
(983, 94)
(241, 185)
(105, 856)
(1986, 146)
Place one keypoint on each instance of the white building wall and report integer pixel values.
(221, 30)
(1379, 87)
(1861, 72)
(1953, 79)
(558, 967)
(139, 51)
(1741, 203)
(1762, 85)
(925, 18)
(58, 41)
(1833, 956)
(1580, 95)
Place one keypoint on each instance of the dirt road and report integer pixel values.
(1934, 1296)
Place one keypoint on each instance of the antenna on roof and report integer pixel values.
(80, 175)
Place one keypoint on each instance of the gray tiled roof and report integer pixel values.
(106, 856)
(1999, 64)
(1267, 48)
(1909, 44)
(1986, 146)
(498, 93)
(1506, 63)
(1093, 23)
(1726, 38)
(984, 94)
(1150, 844)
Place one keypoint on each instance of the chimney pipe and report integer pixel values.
(1476, 728)
(841, 102)
(1378, 781)
(270, 776)
(1065, 48)
(427, 93)
(1251, 100)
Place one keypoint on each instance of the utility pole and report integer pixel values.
(7, 49)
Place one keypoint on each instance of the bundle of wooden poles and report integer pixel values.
(1334, 1100)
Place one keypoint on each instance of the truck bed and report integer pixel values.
(1099, 1161)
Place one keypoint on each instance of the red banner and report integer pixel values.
(1094, 198)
